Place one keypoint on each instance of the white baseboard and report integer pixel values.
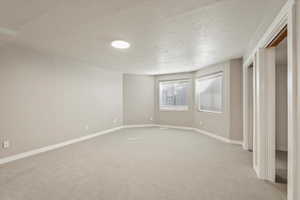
(73, 141)
(237, 142)
(55, 146)
(140, 126)
(221, 138)
(176, 127)
(218, 137)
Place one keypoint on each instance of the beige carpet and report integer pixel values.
(138, 164)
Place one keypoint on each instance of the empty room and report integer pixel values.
(149, 100)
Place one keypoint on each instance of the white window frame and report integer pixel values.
(209, 76)
(174, 107)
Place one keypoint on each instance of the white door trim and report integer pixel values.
(287, 16)
(293, 80)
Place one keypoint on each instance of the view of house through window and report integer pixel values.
(210, 93)
(173, 95)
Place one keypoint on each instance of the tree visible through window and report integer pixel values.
(173, 95)
(210, 93)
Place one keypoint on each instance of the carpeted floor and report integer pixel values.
(138, 164)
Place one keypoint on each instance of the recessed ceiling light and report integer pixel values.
(120, 44)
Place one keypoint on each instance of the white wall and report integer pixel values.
(297, 138)
(236, 99)
(138, 99)
(46, 100)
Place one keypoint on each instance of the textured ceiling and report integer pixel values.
(166, 36)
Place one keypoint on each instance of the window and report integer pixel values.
(210, 93)
(173, 95)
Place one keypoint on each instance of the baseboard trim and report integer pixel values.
(176, 127)
(221, 138)
(237, 142)
(140, 126)
(55, 146)
(73, 141)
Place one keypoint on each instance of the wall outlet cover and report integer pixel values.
(6, 144)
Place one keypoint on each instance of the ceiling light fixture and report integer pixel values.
(120, 44)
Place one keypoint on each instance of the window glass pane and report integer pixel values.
(210, 91)
(173, 94)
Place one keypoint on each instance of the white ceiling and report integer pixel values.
(167, 36)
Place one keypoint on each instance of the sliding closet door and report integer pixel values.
(264, 114)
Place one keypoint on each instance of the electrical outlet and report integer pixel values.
(87, 127)
(201, 123)
(6, 144)
(151, 118)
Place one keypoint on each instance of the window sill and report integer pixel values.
(209, 111)
(175, 109)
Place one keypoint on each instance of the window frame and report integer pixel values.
(197, 94)
(179, 108)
